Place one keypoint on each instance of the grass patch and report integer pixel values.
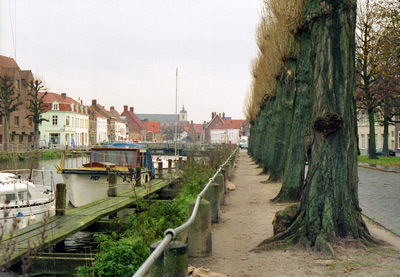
(382, 160)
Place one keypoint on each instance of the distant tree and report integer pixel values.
(388, 70)
(9, 102)
(36, 106)
(368, 97)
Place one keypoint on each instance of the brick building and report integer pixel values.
(21, 128)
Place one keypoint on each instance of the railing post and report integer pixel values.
(61, 196)
(180, 163)
(199, 233)
(169, 165)
(160, 169)
(220, 180)
(112, 183)
(172, 262)
(138, 172)
(212, 196)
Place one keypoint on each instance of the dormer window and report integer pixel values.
(55, 106)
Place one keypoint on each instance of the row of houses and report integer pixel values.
(68, 122)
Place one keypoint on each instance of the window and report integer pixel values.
(392, 134)
(55, 119)
(362, 141)
(21, 138)
(55, 106)
(67, 120)
(16, 121)
(1, 120)
(30, 122)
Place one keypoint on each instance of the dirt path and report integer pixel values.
(246, 221)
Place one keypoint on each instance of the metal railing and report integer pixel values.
(170, 234)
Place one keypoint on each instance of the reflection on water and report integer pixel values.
(80, 242)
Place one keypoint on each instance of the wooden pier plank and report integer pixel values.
(60, 227)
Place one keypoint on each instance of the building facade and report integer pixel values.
(21, 129)
(66, 122)
(137, 130)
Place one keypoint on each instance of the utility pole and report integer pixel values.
(176, 109)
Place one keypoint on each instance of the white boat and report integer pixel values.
(26, 197)
(89, 183)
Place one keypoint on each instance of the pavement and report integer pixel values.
(379, 196)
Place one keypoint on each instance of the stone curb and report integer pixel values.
(393, 169)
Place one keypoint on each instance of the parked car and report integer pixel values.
(379, 152)
(243, 144)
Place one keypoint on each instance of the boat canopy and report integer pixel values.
(125, 145)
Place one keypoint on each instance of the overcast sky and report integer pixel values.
(126, 52)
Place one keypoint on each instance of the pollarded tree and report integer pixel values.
(329, 207)
(36, 106)
(9, 102)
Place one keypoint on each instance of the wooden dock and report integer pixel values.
(60, 227)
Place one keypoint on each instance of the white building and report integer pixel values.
(229, 132)
(67, 121)
(228, 136)
(118, 126)
(101, 131)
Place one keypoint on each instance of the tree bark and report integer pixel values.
(329, 207)
(293, 177)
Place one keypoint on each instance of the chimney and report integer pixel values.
(64, 95)
(94, 102)
(131, 109)
(81, 102)
(125, 108)
(191, 122)
(219, 114)
(111, 108)
(212, 115)
(223, 116)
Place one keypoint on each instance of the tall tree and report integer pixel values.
(388, 70)
(368, 97)
(9, 102)
(36, 106)
(329, 207)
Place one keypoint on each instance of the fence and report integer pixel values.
(170, 234)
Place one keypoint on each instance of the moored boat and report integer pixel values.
(26, 197)
(90, 182)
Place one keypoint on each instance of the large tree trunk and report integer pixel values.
(329, 207)
(293, 177)
(284, 107)
(372, 142)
